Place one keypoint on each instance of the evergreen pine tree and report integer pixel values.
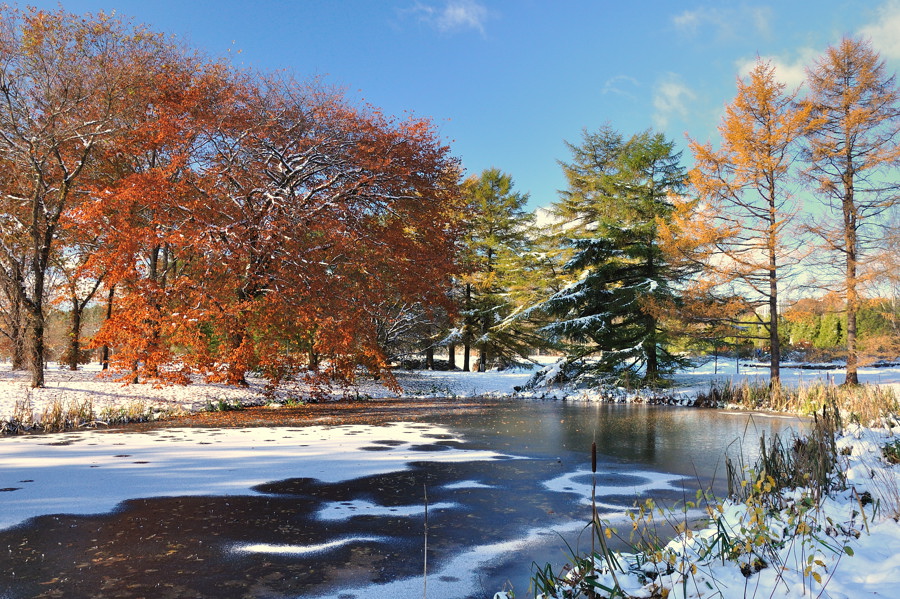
(617, 191)
(496, 242)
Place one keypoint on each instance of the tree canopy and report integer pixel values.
(245, 222)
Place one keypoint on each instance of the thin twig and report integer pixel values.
(425, 567)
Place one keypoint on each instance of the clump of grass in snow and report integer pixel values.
(135, 411)
(773, 520)
(891, 452)
(808, 461)
(21, 419)
(224, 405)
(59, 415)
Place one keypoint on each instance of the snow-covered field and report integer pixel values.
(103, 392)
(91, 472)
(700, 378)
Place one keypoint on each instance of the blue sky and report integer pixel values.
(507, 81)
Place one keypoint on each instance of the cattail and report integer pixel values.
(594, 457)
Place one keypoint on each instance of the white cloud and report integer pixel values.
(453, 15)
(689, 21)
(670, 100)
(618, 84)
(727, 23)
(790, 71)
(884, 31)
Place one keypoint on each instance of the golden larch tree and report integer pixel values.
(746, 186)
(853, 152)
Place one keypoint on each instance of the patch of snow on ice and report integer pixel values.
(635, 482)
(89, 472)
(467, 484)
(461, 575)
(344, 510)
(270, 549)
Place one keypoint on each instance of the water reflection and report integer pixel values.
(689, 442)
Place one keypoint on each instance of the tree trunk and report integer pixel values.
(774, 341)
(19, 355)
(483, 356)
(164, 276)
(35, 305)
(852, 377)
(652, 373)
(429, 349)
(451, 356)
(74, 352)
(467, 329)
(104, 351)
(16, 317)
(36, 345)
(850, 242)
(18, 332)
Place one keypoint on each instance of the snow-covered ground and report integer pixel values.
(105, 393)
(91, 472)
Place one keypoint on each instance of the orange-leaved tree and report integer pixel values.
(269, 242)
(64, 82)
(746, 186)
(853, 153)
(314, 212)
(140, 208)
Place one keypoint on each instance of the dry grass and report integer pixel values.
(22, 417)
(862, 403)
(886, 489)
(60, 415)
(809, 461)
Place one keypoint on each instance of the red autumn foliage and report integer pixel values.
(265, 229)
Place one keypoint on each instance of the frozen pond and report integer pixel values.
(339, 511)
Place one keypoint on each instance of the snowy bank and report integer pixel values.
(843, 546)
(106, 396)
